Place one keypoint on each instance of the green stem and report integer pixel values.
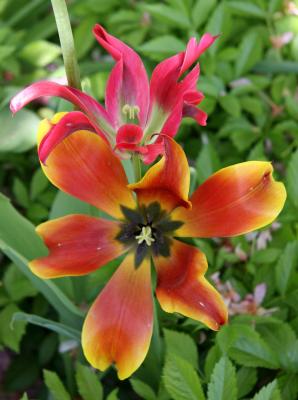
(67, 43)
(136, 162)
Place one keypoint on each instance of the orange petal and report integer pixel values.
(168, 180)
(84, 166)
(78, 244)
(182, 287)
(118, 326)
(235, 200)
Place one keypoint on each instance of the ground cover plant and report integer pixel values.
(248, 78)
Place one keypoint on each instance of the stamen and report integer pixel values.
(145, 236)
(131, 111)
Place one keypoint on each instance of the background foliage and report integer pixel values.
(249, 77)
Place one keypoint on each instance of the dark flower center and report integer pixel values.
(148, 230)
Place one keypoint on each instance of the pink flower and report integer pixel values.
(135, 109)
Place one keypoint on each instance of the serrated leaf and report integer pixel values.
(143, 389)
(268, 392)
(246, 380)
(88, 383)
(182, 345)
(292, 179)
(17, 285)
(250, 52)
(168, 15)
(245, 346)
(55, 386)
(181, 380)
(223, 383)
(286, 267)
(113, 395)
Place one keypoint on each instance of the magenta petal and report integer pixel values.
(86, 103)
(70, 123)
(198, 115)
(128, 82)
(169, 93)
(153, 151)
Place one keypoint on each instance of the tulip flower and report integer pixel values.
(149, 220)
(134, 109)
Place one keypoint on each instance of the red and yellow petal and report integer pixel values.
(235, 200)
(168, 180)
(182, 287)
(84, 166)
(78, 244)
(118, 327)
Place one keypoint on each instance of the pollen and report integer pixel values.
(130, 111)
(145, 236)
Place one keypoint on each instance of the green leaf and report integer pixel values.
(245, 346)
(268, 392)
(55, 386)
(20, 243)
(163, 46)
(230, 104)
(223, 383)
(143, 390)
(201, 11)
(181, 345)
(40, 53)
(282, 340)
(167, 15)
(38, 184)
(17, 285)
(276, 67)
(88, 383)
(113, 395)
(246, 380)
(11, 335)
(246, 9)
(292, 179)
(207, 161)
(181, 379)
(54, 326)
(20, 192)
(82, 38)
(24, 397)
(220, 21)
(286, 267)
(250, 52)
(288, 384)
(18, 133)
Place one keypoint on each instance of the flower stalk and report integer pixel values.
(67, 43)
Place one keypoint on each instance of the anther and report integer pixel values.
(131, 111)
(145, 236)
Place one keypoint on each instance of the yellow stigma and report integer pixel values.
(131, 111)
(145, 236)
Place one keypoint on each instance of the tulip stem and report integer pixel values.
(67, 43)
(136, 162)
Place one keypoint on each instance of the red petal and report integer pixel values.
(128, 82)
(85, 166)
(118, 327)
(168, 180)
(182, 287)
(84, 102)
(233, 201)
(69, 123)
(78, 244)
